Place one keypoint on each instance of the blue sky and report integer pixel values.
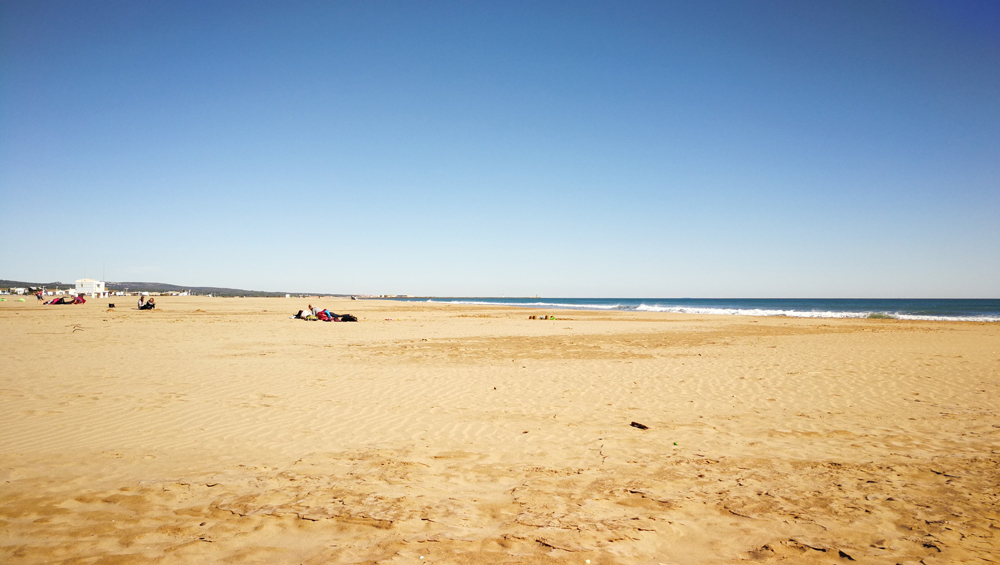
(626, 149)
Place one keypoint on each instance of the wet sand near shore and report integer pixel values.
(220, 430)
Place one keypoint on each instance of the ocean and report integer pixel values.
(972, 310)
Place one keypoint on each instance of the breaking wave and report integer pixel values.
(888, 309)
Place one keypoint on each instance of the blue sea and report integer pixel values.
(979, 310)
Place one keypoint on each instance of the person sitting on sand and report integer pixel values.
(141, 298)
(149, 305)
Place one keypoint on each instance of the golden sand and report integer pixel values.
(219, 430)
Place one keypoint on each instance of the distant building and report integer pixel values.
(91, 287)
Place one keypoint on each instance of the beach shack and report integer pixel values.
(90, 286)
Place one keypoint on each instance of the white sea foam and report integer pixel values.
(750, 312)
(949, 318)
(809, 314)
(719, 311)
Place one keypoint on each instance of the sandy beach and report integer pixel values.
(218, 430)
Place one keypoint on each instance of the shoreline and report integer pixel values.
(901, 309)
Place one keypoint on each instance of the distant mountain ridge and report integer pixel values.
(5, 284)
(163, 287)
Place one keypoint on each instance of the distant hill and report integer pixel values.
(162, 287)
(5, 284)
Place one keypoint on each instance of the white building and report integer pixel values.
(91, 287)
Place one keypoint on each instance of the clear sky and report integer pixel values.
(564, 149)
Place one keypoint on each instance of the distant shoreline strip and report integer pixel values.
(735, 310)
